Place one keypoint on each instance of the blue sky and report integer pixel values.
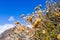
(15, 8)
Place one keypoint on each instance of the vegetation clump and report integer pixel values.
(44, 26)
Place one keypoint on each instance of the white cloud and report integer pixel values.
(11, 18)
(5, 27)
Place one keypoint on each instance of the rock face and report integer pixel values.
(19, 32)
(4, 34)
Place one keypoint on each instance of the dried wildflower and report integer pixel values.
(40, 6)
(30, 18)
(39, 12)
(57, 13)
(20, 29)
(35, 24)
(36, 8)
(43, 31)
(58, 36)
(22, 15)
(16, 23)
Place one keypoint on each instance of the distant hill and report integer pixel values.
(17, 33)
(5, 34)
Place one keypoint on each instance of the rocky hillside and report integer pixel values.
(19, 32)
